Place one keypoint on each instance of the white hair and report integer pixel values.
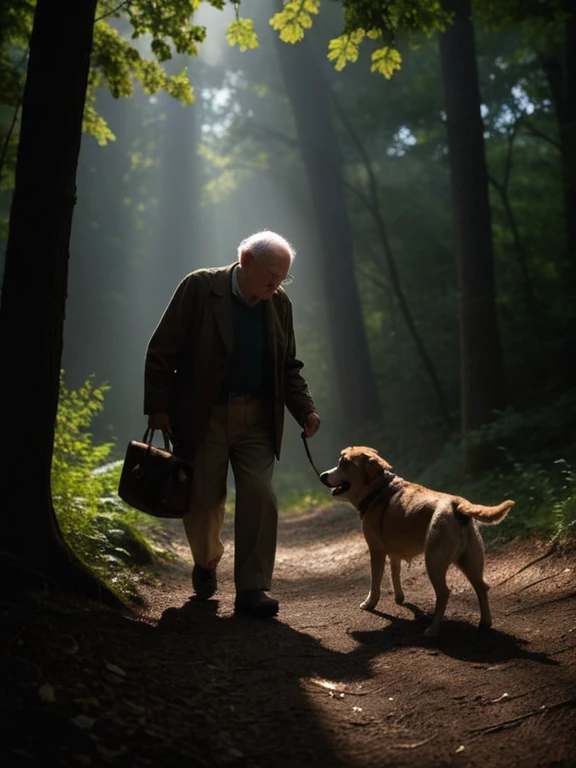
(260, 244)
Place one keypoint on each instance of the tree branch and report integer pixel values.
(114, 11)
(515, 720)
(6, 142)
(377, 280)
(374, 207)
(8, 136)
(372, 204)
(546, 554)
(508, 166)
(502, 189)
(540, 134)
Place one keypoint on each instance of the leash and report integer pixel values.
(305, 441)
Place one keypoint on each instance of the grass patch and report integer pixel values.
(296, 495)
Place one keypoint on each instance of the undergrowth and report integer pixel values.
(113, 540)
(537, 469)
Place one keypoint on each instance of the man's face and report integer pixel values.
(266, 273)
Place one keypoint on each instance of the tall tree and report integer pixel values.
(34, 288)
(321, 155)
(482, 375)
(548, 29)
(37, 255)
(559, 65)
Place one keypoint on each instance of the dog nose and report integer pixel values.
(324, 479)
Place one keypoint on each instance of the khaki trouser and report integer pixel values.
(239, 432)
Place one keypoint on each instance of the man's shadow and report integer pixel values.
(186, 616)
(270, 677)
(262, 640)
(458, 639)
(277, 687)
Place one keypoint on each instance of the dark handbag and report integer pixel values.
(153, 480)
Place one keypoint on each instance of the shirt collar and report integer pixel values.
(237, 292)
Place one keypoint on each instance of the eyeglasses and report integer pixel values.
(286, 280)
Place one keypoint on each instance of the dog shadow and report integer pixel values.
(458, 639)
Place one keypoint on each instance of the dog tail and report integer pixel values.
(487, 515)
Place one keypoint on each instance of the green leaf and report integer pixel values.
(294, 18)
(241, 32)
(345, 48)
(385, 61)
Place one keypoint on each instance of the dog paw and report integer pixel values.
(368, 605)
(431, 632)
(399, 599)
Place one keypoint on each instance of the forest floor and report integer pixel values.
(184, 683)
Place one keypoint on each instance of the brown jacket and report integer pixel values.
(187, 357)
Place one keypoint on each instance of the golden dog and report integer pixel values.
(401, 519)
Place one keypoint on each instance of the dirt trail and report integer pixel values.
(187, 683)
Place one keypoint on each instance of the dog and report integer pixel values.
(401, 520)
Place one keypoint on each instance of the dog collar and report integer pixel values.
(367, 500)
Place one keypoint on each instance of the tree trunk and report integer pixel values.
(34, 290)
(560, 71)
(321, 155)
(482, 379)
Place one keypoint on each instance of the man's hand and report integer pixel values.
(160, 421)
(311, 424)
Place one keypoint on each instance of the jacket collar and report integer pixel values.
(222, 283)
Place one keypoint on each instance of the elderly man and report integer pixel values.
(220, 367)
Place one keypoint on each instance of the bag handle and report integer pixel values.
(150, 432)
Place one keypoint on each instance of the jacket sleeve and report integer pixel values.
(166, 346)
(297, 395)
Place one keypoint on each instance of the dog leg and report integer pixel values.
(377, 562)
(437, 575)
(395, 566)
(472, 566)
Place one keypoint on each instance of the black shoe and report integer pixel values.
(256, 603)
(204, 582)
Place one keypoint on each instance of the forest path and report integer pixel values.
(331, 684)
(182, 683)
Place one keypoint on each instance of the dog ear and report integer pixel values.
(374, 469)
(377, 468)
